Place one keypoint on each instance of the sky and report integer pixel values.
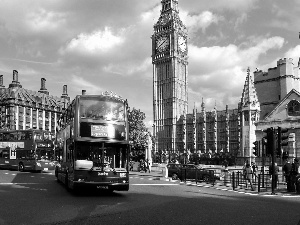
(105, 45)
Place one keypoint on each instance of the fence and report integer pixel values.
(197, 175)
(261, 181)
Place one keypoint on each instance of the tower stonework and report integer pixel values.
(169, 59)
(250, 112)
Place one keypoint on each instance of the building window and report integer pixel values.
(293, 108)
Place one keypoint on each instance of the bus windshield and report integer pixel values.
(109, 156)
(45, 154)
(101, 110)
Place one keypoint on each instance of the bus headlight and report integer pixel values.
(38, 164)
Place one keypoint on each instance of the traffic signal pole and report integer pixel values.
(272, 149)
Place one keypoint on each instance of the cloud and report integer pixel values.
(200, 21)
(78, 83)
(42, 20)
(129, 68)
(216, 70)
(99, 41)
(218, 5)
(293, 53)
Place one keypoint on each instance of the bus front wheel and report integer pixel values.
(21, 167)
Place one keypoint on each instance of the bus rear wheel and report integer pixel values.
(21, 167)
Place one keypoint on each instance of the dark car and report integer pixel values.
(190, 172)
(173, 170)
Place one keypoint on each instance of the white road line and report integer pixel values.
(16, 183)
(291, 196)
(152, 184)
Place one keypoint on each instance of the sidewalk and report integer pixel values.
(158, 173)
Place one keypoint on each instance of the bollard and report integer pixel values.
(258, 187)
(233, 180)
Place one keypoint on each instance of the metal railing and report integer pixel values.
(198, 175)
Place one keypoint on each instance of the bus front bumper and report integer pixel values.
(102, 185)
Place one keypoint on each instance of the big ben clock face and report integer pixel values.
(182, 43)
(162, 43)
(165, 18)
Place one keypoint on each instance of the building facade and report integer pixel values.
(22, 109)
(278, 92)
(269, 99)
(170, 70)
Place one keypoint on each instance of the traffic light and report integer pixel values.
(263, 146)
(256, 148)
(270, 142)
(285, 155)
(283, 137)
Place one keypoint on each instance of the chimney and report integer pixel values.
(15, 82)
(83, 92)
(43, 87)
(1, 82)
(65, 93)
(15, 76)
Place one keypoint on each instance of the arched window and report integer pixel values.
(294, 108)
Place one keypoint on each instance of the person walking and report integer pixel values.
(248, 176)
(276, 167)
(294, 173)
(276, 171)
(254, 170)
(149, 165)
(131, 165)
(286, 169)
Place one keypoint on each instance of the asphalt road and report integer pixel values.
(36, 198)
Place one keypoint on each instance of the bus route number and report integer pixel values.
(99, 131)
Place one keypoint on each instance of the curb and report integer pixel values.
(219, 186)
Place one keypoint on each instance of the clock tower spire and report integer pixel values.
(170, 70)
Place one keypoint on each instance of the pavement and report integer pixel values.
(158, 173)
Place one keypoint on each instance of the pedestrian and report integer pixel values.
(286, 169)
(254, 169)
(145, 166)
(149, 166)
(248, 176)
(276, 171)
(131, 165)
(295, 171)
(276, 175)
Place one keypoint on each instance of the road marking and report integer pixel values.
(291, 196)
(16, 183)
(152, 184)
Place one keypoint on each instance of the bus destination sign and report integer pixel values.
(102, 131)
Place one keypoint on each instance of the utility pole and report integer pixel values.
(272, 148)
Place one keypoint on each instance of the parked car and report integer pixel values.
(190, 172)
(173, 170)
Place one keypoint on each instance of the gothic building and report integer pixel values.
(169, 59)
(22, 109)
(175, 130)
(269, 99)
(278, 91)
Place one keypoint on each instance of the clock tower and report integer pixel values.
(169, 59)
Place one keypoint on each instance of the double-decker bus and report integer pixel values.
(31, 150)
(92, 144)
